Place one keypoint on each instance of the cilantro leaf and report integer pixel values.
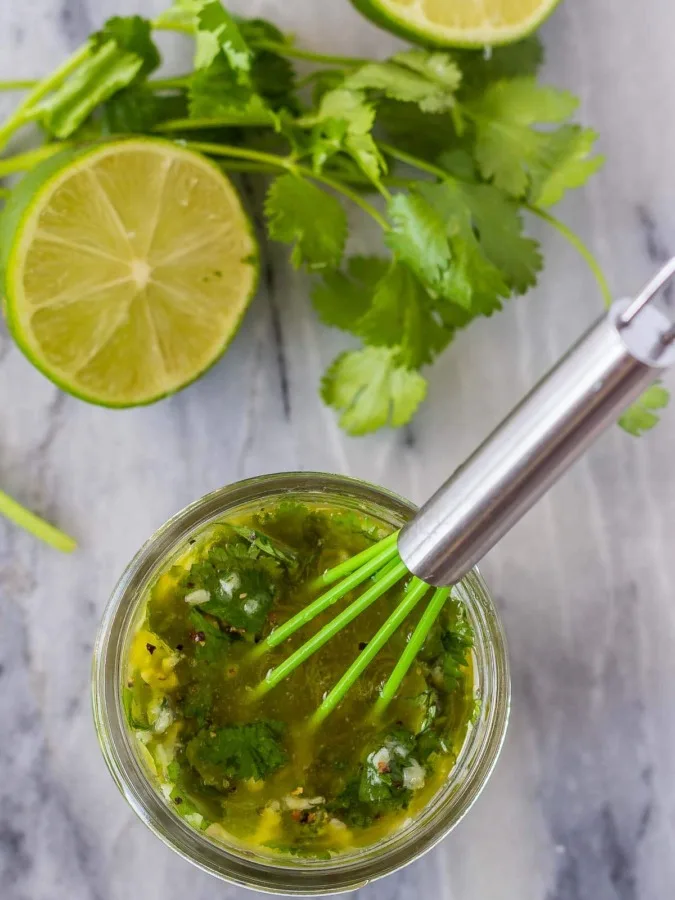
(341, 299)
(240, 579)
(379, 785)
(132, 34)
(382, 780)
(350, 808)
(349, 107)
(138, 109)
(401, 316)
(256, 30)
(384, 303)
(567, 164)
(498, 224)
(273, 77)
(434, 233)
(246, 607)
(372, 389)
(416, 76)
(343, 123)
(216, 642)
(457, 642)
(419, 237)
(261, 543)
(230, 74)
(512, 152)
(216, 91)
(181, 12)
(218, 32)
(426, 135)
(121, 53)
(641, 415)
(237, 752)
(511, 61)
(300, 213)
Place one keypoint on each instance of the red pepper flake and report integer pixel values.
(198, 637)
(383, 768)
(150, 648)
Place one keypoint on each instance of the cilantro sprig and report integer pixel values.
(448, 153)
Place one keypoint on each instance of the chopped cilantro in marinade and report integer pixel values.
(249, 769)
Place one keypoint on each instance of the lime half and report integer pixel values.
(127, 269)
(459, 23)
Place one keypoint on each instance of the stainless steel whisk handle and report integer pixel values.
(620, 355)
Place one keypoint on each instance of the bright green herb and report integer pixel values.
(253, 769)
(455, 146)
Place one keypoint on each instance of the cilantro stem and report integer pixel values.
(579, 246)
(17, 85)
(24, 161)
(358, 181)
(167, 25)
(21, 114)
(232, 165)
(415, 161)
(35, 525)
(233, 121)
(210, 149)
(288, 165)
(297, 53)
(342, 188)
(308, 79)
(157, 84)
(177, 82)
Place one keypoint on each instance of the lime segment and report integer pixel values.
(130, 268)
(459, 23)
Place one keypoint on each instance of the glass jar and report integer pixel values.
(247, 867)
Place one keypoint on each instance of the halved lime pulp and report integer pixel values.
(129, 269)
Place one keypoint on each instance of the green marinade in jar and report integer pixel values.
(249, 770)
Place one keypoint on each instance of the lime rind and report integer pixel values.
(407, 22)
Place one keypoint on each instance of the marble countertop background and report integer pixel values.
(582, 804)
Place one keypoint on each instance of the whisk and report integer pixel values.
(608, 368)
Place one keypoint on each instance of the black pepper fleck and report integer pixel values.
(150, 648)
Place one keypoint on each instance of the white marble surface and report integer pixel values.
(582, 804)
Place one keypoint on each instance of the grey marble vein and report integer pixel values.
(582, 803)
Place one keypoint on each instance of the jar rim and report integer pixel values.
(241, 865)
